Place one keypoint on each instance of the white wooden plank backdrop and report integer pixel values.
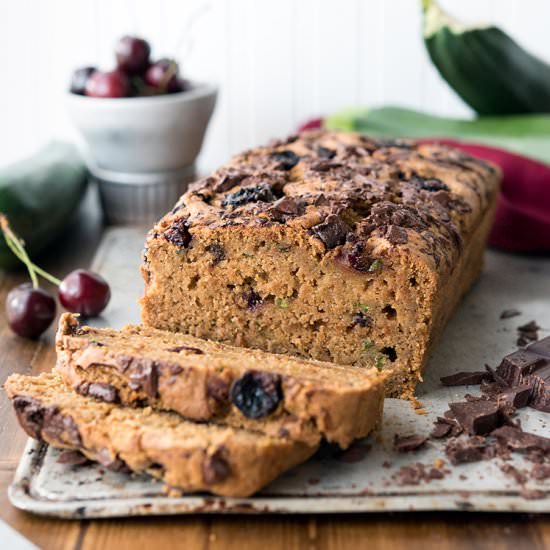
(277, 62)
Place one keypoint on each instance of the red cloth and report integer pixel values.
(522, 221)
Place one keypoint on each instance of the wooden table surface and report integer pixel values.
(392, 531)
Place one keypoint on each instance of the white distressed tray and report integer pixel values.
(355, 481)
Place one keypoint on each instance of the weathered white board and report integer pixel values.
(358, 480)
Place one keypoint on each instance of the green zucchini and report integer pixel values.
(491, 72)
(39, 194)
(527, 135)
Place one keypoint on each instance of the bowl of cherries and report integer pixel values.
(141, 122)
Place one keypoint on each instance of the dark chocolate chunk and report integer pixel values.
(286, 159)
(257, 394)
(325, 152)
(518, 366)
(286, 207)
(362, 319)
(540, 397)
(495, 376)
(464, 378)
(218, 389)
(477, 417)
(332, 232)
(216, 467)
(257, 193)
(428, 184)
(542, 347)
(396, 235)
(517, 397)
(441, 430)
(408, 443)
(178, 234)
(519, 440)
(98, 390)
(60, 428)
(461, 450)
(230, 180)
(190, 349)
(509, 313)
(217, 251)
(73, 458)
(30, 414)
(144, 376)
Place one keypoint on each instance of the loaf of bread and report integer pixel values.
(325, 245)
(206, 381)
(186, 455)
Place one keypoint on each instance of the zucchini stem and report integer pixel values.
(17, 246)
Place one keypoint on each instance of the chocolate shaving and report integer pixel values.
(509, 313)
(464, 378)
(477, 417)
(408, 443)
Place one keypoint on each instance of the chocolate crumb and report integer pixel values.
(509, 313)
(408, 443)
(465, 449)
(527, 333)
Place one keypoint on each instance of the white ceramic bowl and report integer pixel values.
(144, 134)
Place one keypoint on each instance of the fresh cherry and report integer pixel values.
(84, 292)
(163, 76)
(80, 79)
(132, 54)
(30, 311)
(108, 84)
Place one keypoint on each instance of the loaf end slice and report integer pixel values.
(278, 395)
(326, 245)
(185, 455)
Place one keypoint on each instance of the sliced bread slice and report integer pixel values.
(206, 381)
(186, 455)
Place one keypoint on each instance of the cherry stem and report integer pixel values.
(17, 246)
(170, 72)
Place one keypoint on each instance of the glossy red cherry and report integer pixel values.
(80, 79)
(164, 77)
(84, 292)
(30, 311)
(132, 54)
(108, 84)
